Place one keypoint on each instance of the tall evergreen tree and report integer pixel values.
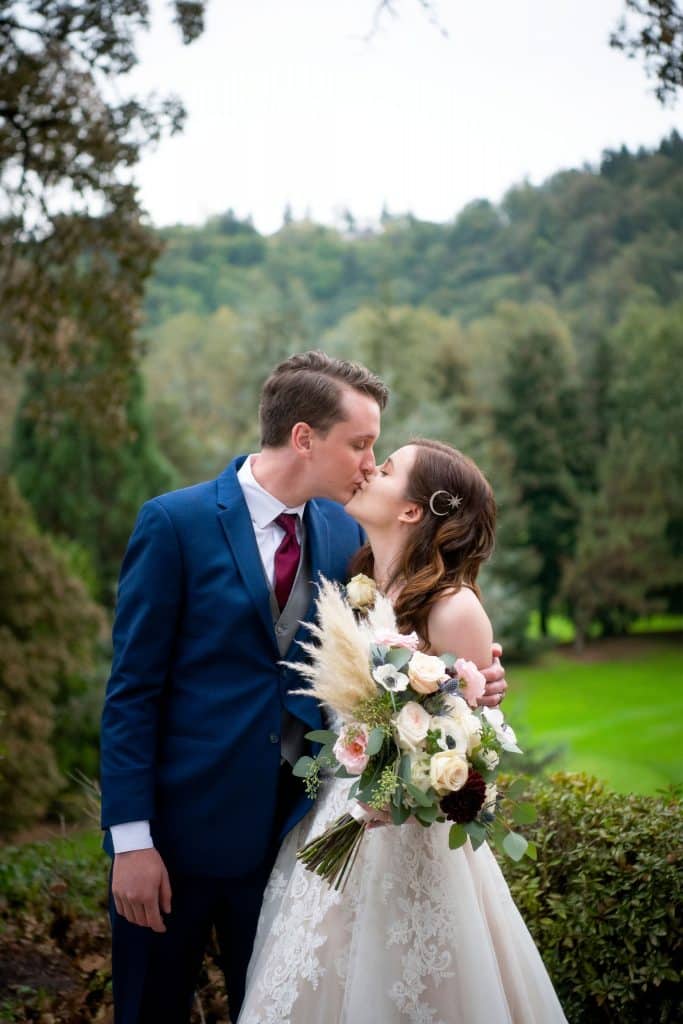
(82, 486)
(538, 417)
(622, 558)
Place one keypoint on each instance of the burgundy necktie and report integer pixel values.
(286, 558)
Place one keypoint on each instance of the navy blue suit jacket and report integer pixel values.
(190, 727)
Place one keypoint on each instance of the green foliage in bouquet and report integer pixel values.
(604, 900)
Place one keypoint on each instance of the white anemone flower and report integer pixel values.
(504, 733)
(390, 678)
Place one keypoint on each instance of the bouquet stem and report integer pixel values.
(332, 854)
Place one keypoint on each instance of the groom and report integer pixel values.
(200, 727)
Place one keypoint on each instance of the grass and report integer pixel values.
(619, 719)
(561, 628)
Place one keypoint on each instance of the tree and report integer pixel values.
(658, 38)
(74, 252)
(82, 487)
(622, 557)
(49, 632)
(538, 416)
(199, 373)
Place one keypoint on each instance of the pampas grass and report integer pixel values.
(339, 670)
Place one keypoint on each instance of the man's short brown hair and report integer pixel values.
(308, 387)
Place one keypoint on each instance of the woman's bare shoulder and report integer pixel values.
(458, 624)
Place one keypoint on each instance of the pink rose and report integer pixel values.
(350, 748)
(473, 682)
(386, 638)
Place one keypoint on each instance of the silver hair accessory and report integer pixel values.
(452, 502)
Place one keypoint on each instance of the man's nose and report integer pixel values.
(368, 464)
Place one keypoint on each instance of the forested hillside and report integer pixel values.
(543, 335)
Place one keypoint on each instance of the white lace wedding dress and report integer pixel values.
(421, 934)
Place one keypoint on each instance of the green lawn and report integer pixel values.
(619, 719)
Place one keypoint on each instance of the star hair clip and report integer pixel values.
(451, 501)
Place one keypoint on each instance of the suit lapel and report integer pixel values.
(234, 518)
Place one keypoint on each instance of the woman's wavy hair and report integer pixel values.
(442, 552)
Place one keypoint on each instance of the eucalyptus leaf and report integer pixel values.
(375, 741)
(399, 656)
(404, 771)
(449, 660)
(420, 798)
(426, 815)
(531, 851)
(303, 767)
(516, 788)
(399, 813)
(457, 837)
(477, 833)
(323, 736)
(515, 845)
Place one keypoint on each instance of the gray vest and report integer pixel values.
(286, 624)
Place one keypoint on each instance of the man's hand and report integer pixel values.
(496, 684)
(141, 888)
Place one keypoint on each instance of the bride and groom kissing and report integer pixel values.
(201, 725)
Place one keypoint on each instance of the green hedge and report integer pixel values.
(603, 901)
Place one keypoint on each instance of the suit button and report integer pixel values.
(280, 630)
(274, 738)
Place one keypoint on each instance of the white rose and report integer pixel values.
(426, 672)
(448, 771)
(419, 771)
(360, 591)
(411, 723)
(390, 678)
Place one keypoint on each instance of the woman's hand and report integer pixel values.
(496, 683)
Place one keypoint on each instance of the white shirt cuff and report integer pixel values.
(132, 835)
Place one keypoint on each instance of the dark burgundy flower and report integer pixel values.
(463, 805)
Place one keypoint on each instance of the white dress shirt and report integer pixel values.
(263, 508)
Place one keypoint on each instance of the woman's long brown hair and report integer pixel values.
(442, 553)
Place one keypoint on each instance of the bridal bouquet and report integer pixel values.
(408, 731)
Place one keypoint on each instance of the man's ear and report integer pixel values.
(411, 514)
(302, 438)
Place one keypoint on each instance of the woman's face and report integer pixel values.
(381, 501)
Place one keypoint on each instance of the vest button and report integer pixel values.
(274, 737)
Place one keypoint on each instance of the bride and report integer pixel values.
(421, 934)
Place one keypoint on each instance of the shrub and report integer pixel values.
(604, 898)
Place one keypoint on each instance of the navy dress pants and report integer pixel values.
(155, 974)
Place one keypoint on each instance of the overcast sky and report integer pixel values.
(288, 104)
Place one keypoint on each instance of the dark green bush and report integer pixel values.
(603, 900)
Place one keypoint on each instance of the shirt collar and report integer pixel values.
(263, 506)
